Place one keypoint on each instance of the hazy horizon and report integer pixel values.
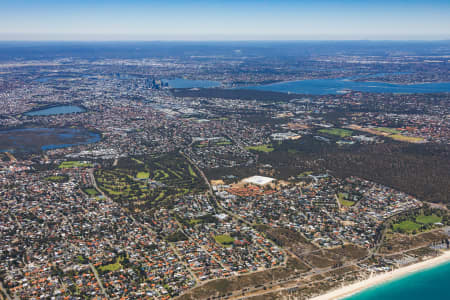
(187, 40)
(182, 20)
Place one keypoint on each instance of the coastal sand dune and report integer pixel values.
(349, 290)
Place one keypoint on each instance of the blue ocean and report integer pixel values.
(430, 284)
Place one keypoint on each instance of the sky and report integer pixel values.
(224, 20)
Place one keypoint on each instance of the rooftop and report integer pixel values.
(258, 180)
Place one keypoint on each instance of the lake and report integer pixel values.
(36, 139)
(56, 110)
(180, 83)
(338, 86)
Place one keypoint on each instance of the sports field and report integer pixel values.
(261, 148)
(74, 164)
(337, 132)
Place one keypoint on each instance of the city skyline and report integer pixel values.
(225, 20)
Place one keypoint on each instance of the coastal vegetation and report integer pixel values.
(394, 243)
(291, 239)
(222, 287)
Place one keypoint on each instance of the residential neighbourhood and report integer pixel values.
(116, 185)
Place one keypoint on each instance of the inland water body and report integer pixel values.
(56, 110)
(180, 83)
(36, 139)
(338, 86)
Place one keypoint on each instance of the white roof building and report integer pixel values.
(258, 180)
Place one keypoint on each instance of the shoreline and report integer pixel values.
(349, 290)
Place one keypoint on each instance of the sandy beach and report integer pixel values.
(349, 290)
